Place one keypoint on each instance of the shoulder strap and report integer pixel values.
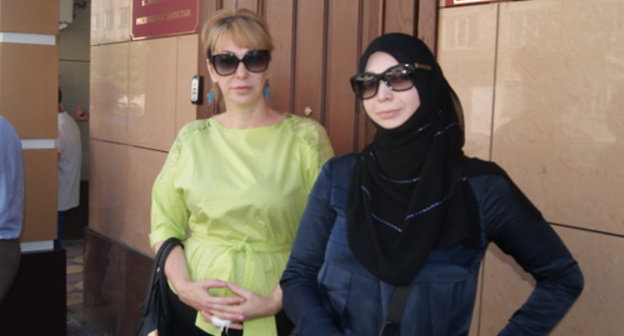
(161, 257)
(396, 306)
(166, 248)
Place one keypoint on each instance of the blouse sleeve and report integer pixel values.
(169, 214)
(319, 150)
(302, 300)
(520, 231)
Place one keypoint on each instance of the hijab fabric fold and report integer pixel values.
(405, 200)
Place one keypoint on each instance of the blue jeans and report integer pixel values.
(59, 227)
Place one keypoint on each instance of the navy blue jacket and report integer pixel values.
(327, 292)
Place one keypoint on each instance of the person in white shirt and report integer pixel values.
(69, 157)
(11, 204)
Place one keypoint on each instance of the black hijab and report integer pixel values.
(405, 199)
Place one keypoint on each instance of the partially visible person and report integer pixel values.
(11, 205)
(68, 174)
(402, 227)
(82, 114)
(232, 189)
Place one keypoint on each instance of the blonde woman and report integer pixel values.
(233, 189)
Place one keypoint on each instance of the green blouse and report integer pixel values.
(236, 197)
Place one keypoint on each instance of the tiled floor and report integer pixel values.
(74, 223)
(76, 324)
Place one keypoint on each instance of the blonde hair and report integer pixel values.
(246, 29)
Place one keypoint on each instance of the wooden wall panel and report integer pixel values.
(253, 5)
(29, 16)
(371, 26)
(28, 88)
(310, 58)
(207, 8)
(40, 195)
(342, 54)
(400, 16)
(281, 14)
(426, 26)
(228, 4)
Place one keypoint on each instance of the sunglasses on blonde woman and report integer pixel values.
(398, 77)
(254, 61)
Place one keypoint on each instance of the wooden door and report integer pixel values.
(318, 43)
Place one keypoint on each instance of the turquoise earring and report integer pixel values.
(267, 90)
(211, 96)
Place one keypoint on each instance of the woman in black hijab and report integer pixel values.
(393, 237)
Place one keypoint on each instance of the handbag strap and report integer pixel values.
(396, 306)
(161, 257)
(157, 281)
(164, 250)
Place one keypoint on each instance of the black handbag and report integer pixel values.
(155, 311)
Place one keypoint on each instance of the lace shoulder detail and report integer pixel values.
(313, 136)
(186, 132)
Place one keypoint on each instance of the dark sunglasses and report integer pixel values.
(398, 77)
(254, 60)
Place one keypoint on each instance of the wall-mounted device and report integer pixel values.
(196, 89)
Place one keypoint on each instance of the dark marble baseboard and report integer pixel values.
(115, 282)
(36, 304)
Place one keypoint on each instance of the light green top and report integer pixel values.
(236, 196)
